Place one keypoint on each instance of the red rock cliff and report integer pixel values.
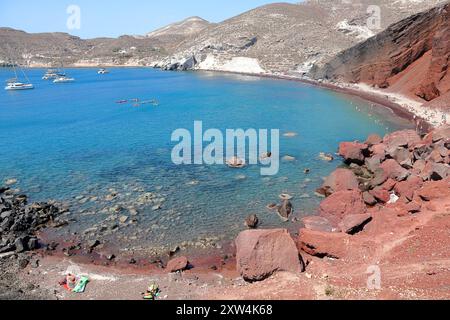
(410, 57)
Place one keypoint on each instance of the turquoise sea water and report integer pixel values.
(74, 143)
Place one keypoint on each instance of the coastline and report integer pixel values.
(378, 98)
(202, 266)
(400, 105)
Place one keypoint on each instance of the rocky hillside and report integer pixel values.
(279, 37)
(45, 49)
(284, 37)
(173, 34)
(410, 57)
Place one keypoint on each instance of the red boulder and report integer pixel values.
(340, 204)
(393, 170)
(318, 223)
(340, 180)
(354, 223)
(404, 138)
(406, 188)
(323, 244)
(177, 264)
(382, 195)
(353, 152)
(260, 253)
(433, 190)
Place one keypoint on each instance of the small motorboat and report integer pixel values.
(103, 71)
(63, 79)
(121, 101)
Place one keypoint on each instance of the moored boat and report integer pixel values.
(13, 84)
(63, 79)
(103, 71)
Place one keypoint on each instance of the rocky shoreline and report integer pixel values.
(386, 182)
(389, 192)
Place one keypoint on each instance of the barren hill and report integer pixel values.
(283, 37)
(54, 48)
(280, 37)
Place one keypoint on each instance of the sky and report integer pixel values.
(112, 18)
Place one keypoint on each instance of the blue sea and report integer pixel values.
(75, 144)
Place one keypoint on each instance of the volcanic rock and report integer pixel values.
(252, 221)
(354, 223)
(285, 210)
(260, 253)
(342, 203)
(406, 188)
(177, 264)
(432, 190)
(380, 194)
(318, 223)
(353, 152)
(340, 180)
(393, 170)
(323, 244)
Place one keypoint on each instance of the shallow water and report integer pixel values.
(74, 143)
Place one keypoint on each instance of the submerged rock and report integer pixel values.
(285, 210)
(252, 221)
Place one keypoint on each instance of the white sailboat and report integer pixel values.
(52, 74)
(15, 84)
(62, 77)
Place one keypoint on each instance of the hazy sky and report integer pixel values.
(115, 17)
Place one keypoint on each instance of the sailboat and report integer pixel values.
(52, 74)
(16, 84)
(62, 77)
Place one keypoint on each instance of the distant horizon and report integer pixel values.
(101, 19)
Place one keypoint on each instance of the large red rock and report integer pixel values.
(373, 163)
(177, 264)
(342, 203)
(393, 170)
(406, 188)
(378, 150)
(403, 138)
(260, 253)
(340, 180)
(353, 152)
(382, 195)
(354, 223)
(318, 223)
(441, 133)
(323, 244)
(373, 139)
(435, 171)
(433, 190)
(389, 184)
